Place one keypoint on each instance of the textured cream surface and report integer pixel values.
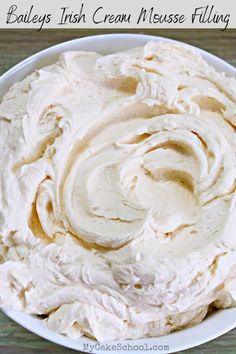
(117, 192)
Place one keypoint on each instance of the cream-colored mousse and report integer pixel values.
(117, 192)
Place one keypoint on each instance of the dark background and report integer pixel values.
(16, 45)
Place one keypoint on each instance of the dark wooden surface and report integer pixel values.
(16, 45)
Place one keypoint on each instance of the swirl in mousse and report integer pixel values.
(117, 192)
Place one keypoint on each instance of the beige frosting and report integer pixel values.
(117, 192)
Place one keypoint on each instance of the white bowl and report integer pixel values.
(213, 326)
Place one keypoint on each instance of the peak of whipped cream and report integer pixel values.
(117, 192)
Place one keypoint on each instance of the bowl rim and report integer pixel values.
(44, 51)
(228, 316)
